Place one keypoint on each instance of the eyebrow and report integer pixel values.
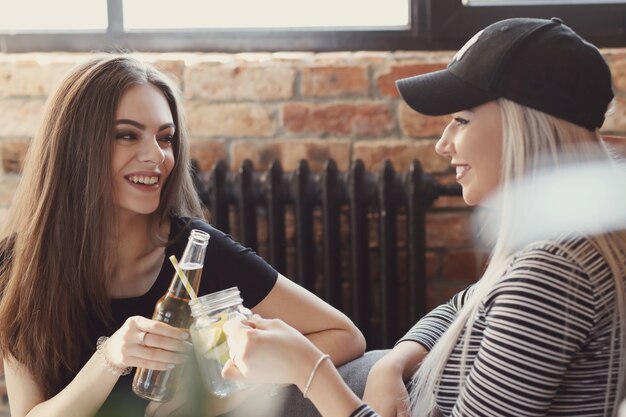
(141, 125)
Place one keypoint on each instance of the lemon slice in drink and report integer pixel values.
(210, 338)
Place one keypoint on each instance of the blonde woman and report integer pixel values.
(106, 197)
(542, 333)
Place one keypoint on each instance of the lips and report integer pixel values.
(144, 180)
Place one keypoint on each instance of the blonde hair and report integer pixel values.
(56, 242)
(528, 136)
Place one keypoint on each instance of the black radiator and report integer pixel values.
(332, 214)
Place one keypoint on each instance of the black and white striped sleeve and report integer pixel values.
(429, 329)
(364, 411)
(536, 319)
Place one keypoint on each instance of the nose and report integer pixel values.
(444, 145)
(151, 151)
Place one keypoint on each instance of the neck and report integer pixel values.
(133, 239)
(138, 257)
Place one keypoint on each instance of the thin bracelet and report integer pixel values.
(313, 371)
(115, 370)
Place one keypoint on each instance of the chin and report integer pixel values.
(469, 199)
(144, 210)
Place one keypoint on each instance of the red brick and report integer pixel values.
(13, 154)
(441, 292)
(207, 153)
(333, 81)
(452, 230)
(241, 82)
(361, 120)
(372, 56)
(617, 62)
(448, 201)
(31, 78)
(463, 265)
(20, 117)
(292, 57)
(333, 57)
(236, 120)
(433, 265)
(401, 153)
(416, 125)
(616, 119)
(173, 68)
(289, 153)
(386, 82)
(8, 184)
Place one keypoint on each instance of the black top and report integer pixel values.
(227, 264)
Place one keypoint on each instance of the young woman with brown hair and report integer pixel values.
(105, 198)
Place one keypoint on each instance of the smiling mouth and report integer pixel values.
(144, 180)
(461, 171)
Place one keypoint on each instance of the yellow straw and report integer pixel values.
(183, 278)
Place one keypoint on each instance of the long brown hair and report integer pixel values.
(57, 250)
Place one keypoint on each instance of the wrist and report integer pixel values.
(403, 360)
(101, 350)
(318, 363)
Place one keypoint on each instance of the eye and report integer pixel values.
(460, 121)
(125, 136)
(169, 139)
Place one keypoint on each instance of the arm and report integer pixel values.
(270, 351)
(89, 389)
(271, 295)
(82, 397)
(385, 389)
(329, 329)
(536, 320)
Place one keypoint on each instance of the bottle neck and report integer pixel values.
(193, 272)
(191, 264)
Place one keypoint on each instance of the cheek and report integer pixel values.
(168, 162)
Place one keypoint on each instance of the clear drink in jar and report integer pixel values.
(210, 313)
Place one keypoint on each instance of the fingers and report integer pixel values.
(151, 344)
(230, 370)
(238, 324)
(156, 327)
(152, 340)
(165, 358)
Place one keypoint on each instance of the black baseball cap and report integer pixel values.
(539, 63)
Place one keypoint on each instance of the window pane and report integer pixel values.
(57, 15)
(186, 14)
(537, 2)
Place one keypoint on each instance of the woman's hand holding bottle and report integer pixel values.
(146, 343)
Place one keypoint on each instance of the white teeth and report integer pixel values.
(143, 180)
(462, 169)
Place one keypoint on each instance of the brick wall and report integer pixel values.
(289, 106)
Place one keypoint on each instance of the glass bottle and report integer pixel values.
(210, 312)
(173, 309)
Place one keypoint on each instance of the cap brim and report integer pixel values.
(440, 92)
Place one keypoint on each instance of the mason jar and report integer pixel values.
(210, 312)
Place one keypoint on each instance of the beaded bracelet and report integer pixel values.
(313, 371)
(115, 370)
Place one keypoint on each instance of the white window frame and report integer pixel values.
(435, 25)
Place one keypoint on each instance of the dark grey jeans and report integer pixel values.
(289, 401)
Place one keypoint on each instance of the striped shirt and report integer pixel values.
(364, 411)
(540, 344)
